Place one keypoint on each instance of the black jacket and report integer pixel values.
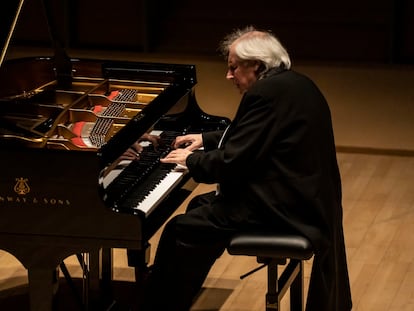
(277, 162)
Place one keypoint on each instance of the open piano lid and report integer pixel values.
(9, 14)
(173, 80)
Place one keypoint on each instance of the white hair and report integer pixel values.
(256, 45)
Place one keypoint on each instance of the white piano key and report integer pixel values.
(163, 188)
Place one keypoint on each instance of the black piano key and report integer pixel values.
(140, 191)
(141, 176)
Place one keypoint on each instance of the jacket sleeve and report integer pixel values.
(243, 143)
(211, 140)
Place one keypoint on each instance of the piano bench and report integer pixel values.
(272, 250)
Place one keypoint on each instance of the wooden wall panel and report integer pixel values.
(375, 31)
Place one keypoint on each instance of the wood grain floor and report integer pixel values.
(378, 199)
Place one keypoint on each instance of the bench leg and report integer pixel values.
(291, 278)
(272, 295)
(296, 290)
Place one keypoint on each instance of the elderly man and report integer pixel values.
(275, 168)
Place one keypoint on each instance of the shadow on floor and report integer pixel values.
(121, 297)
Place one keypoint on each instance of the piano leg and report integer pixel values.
(43, 283)
(107, 270)
(70, 282)
(100, 279)
(94, 273)
(93, 294)
(41, 288)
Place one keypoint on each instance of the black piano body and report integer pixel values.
(54, 161)
(65, 126)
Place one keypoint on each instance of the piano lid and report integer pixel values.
(9, 15)
(13, 10)
(55, 77)
(43, 107)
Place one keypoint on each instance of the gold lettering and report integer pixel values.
(34, 200)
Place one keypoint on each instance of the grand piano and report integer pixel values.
(68, 184)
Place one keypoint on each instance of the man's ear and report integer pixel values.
(259, 68)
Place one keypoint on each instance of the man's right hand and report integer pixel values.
(190, 142)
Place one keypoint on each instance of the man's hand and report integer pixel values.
(177, 156)
(190, 142)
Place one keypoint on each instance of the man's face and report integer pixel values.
(243, 74)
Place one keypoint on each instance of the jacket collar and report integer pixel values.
(273, 71)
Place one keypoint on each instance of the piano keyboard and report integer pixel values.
(146, 199)
(139, 186)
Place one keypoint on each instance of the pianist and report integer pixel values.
(276, 169)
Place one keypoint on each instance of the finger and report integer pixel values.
(176, 142)
(167, 160)
(136, 147)
(154, 139)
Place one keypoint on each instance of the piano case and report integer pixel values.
(67, 185)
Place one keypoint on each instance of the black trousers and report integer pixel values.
(189, 246)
